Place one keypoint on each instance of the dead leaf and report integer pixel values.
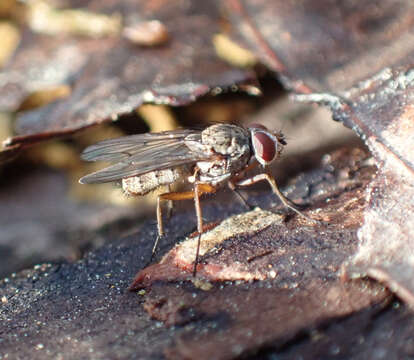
(357, 59)
(111, 76)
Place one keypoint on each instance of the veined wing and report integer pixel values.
(163, 153)
(123, 147)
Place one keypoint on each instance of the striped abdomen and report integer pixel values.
(143, 184)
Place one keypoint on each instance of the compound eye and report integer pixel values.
(264, 147)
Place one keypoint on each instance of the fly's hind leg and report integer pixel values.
(199, 189)
(272, 182)
(170, 197)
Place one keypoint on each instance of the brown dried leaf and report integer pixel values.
(386, 249)
(244, 319)
(325, 46)
(380, 110)
(356, 58)
(41, 63)
(111, 76)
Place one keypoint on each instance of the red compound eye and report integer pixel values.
(264, 147)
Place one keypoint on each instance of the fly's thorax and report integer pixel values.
(143, 184)
(229, 144)
(226, 139)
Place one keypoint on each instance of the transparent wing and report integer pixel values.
(140, 154)
(126, 146)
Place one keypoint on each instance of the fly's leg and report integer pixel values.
(199, 223)
(199, 189)
(160, 228)
(170, 197)
(170, 204)
(272, 182)
(233, 183)
(233, 187)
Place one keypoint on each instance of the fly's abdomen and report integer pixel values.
(143, 184)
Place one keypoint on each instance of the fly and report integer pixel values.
(207, 159)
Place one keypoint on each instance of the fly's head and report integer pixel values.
(267, 145)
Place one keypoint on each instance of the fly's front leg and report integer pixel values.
(271, 180)
(199, 224)
(233, 187)
(234, 182)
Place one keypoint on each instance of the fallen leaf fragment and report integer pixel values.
(237, 320)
